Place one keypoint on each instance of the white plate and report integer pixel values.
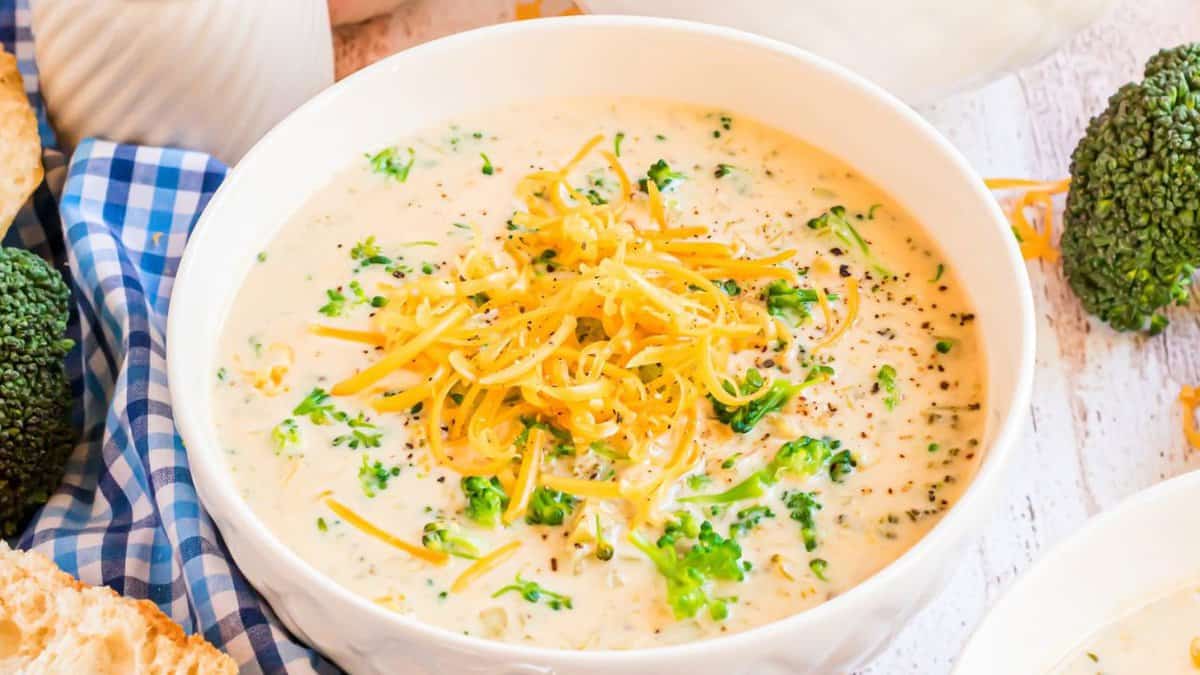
(1124, 558)
(920, 50)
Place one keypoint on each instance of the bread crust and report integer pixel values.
(20, 144)
(51, 622)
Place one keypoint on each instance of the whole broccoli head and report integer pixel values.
(1131, 239)
(35, 398)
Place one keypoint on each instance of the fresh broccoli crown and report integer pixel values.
(486, 499)
(1131, 239)
(549, 507)
(445, 537)
(36, 435)
(743, 418)
(688, 571)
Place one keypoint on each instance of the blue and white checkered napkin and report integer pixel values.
(127, 515)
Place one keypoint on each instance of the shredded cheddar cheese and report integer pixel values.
(559, 323)
(1038, 194)
(1190, 398)
(484, 565)
(360, 523)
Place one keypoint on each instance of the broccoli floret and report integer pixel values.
(1131, 240)
(446, 537)
(533, 592)
(835, 222)
(664, 178)
(886, 380)
(36, 435)
(743, 418)
(753, 487)
(841, 465)
(549, 507)
(688, 572)
(788, 302)
(486, 499)
(748, 519)
(802, 457)
(803, 507)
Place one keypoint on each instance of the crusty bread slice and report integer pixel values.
(20, 146)
(52, 623)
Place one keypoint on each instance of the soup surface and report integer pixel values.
(698, 378)
(1162, 638)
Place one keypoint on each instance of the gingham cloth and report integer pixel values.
(127, 515)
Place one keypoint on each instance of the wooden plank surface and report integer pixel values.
(1104, 422)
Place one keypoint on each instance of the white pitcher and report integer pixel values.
(211, 75)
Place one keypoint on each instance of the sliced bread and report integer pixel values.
(52, 623)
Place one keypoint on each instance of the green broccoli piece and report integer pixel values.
(604, 548)
(446, 537)
(886, 380)
(789, 302)
(664, 178)
(748, 519)
(486, 499)
(36, 434)
(803, 507)
(389, 162)
(835, 222)
(285, 435)
(374, 477)
(549, 507)
(753, 487)
(841, 465)
(533, 592)
(683, 527)
(1131, 239)
(743, 418)
(802, 457)
(688, 572)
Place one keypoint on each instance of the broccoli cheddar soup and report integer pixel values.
(600, 375)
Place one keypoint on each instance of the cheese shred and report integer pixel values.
(594, 318)
(484, 565)
(1190, 398)
(1035, 194)
(362, 524)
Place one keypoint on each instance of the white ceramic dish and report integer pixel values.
(920, 50)
(705, 65)
(1123, 559)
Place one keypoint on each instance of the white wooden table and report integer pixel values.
(1104, 421)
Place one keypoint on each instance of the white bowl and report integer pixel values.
(1128, 556)
(920, 50)
(773, 82)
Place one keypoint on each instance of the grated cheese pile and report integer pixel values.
(581, 321)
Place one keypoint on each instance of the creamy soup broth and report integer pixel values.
(914, 436)
(1161, 638)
